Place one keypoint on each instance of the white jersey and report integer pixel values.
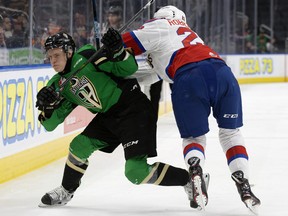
(169, 44)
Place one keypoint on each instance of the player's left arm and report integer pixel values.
(122, 62)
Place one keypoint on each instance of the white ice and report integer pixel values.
(106, 191)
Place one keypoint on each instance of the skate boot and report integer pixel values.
(57, 197)
(196, 188)
(244, 189)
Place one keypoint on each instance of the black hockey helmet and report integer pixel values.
(60, 40)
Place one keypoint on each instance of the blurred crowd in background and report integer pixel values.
(228, 26)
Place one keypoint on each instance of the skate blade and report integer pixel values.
(206, 177)
(254, 208)
(42, 205)
(200, 198)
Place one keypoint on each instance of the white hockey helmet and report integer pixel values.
(170, 12)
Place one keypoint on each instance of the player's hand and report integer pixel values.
(47, 99)
(113, 42)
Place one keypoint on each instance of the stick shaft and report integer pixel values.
(136, 16)
(96, 25)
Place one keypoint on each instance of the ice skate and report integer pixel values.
(57, 197)
(196, 188)
(244, 189)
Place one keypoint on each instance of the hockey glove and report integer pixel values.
(47, 100)
(113, 41)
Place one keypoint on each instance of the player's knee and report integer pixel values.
(81, 147)
(136, 169)
(230, 137)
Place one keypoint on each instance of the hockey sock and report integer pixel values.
(233, 146)
(73, 172)
(194, 147)
(166, 175)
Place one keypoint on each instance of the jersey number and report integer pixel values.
(187, 40)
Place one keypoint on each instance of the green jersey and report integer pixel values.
(94, 87)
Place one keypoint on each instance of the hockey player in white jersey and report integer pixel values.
(201, 81)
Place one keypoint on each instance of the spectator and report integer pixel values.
(80, 33)
(25, 24)
(52, 29)
(18, 39)
(1, 20)
(2, 38)
(270, 46)
(7, 26)
(114, 18)
(4, 56)
(262, 41)
(249, 47)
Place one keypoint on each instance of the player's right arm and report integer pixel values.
(57, 117)
(53, 109)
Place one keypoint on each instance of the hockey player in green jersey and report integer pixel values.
(124, 114)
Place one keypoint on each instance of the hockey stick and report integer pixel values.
(101, 48)
(96, 25)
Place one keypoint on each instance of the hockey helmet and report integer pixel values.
(60, 40)
(170, 12)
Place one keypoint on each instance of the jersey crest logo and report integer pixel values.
(86, 92)
(61, 80)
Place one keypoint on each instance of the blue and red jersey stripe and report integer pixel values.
(132, 41)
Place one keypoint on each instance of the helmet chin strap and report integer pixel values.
(67, 57)
(68, 64)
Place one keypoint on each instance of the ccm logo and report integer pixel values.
(126, 145)
(230, 115)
